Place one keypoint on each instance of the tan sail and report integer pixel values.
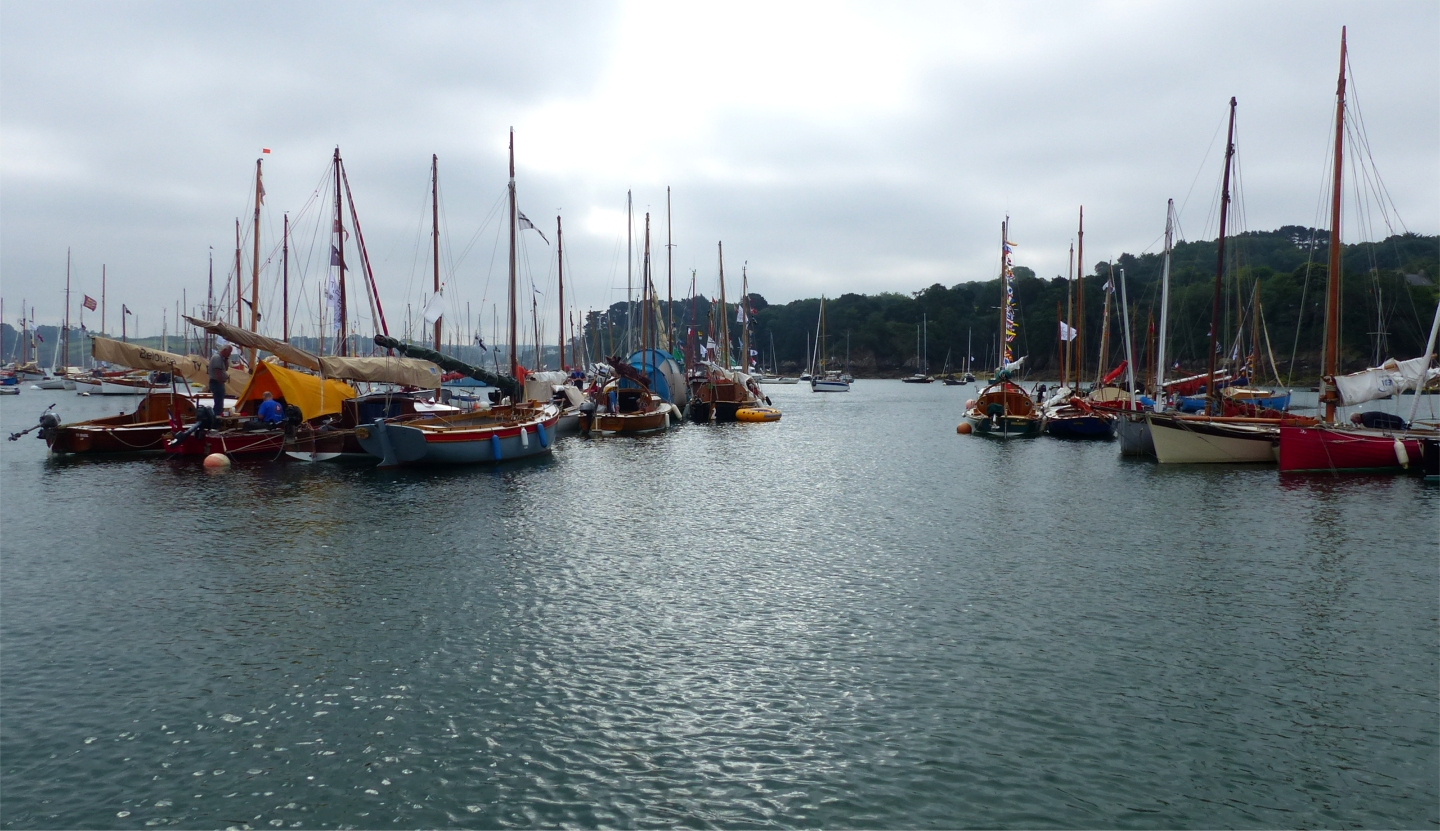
(190, 367)
(240, 337)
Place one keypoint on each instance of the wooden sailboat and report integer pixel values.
(510, 430)
(1333, 447)
(921, 364)
(1003, 409)
(1069, 416)
(718, 393)
(1215, 438)
(628, 404)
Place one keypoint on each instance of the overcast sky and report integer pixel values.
(832, 147)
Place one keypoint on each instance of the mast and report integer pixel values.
(239, 287)
(1079, 366)
(255, 261)
(1330, 364)
(209, 303)
(1164, 305)
(1129, 345)
(514, 330)
(925, 341)
(1220, 264)
(1003, 355)
(745, 310)
(343, 335)
(723, 330)
(1254, 367)
(435, 231)
(1105, 326)
(1068, 348)
(285, 279)
(102, 299)
(65, 336)
(629, 278)
(645, 332)
(669, 278)
(560, 270)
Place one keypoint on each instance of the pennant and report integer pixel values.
(1067, 333)
(89, 303)
(125, 309)
(265, 150)
(480, 342)
(334, 255)
(740, 316)
(526, 223)
(1110, 286)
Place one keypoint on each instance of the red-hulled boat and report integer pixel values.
(1332, 448)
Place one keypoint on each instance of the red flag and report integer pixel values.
(264, 150)
(89, 303)
(1114, 373)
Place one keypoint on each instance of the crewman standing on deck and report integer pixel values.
(219, 374)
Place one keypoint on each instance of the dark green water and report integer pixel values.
(851, 618)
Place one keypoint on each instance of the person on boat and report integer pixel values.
(270, 413)
(1377, 420)
(219, 374)
(1040, 393)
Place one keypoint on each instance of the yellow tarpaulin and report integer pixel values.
(313, 396)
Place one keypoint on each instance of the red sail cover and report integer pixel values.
(1114, 373)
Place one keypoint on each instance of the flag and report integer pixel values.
(435, 308)
(526, 223)
(334, 255)
(480, 342)
(264, 150)
(89, 303)
(37, 336)
(1110, 285)
(740, 313)
(1067, 333)
(261, 192)
(125, 309)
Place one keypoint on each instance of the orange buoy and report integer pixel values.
(963, 428)
(217, 460)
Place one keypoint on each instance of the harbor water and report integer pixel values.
(852, 618)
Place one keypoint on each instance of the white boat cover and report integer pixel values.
(540, 386)
(407, 372)
(192, 368)
(1390, 378)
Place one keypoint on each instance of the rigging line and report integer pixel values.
(1201, 169)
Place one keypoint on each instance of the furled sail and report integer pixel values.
(407, 372)
(190, 367)
(242, 337)
(509, 385)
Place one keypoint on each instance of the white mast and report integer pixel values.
(1164, 308)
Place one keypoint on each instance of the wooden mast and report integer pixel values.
(1331, 359)
(1069, 348)
(723, 330)
(514, 330)
(669, 279)
(255, 260)
(1004, 297)
(645, 297)
(1079, 364)
(1210, 390)
(102, 300)
(560, 271)
(65, 336)
(285, 279)
(435, 231)
(239, 287)
(342, 336)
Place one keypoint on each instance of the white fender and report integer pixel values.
(1401, 455)
(524, 438)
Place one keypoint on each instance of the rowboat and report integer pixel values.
(142, 431)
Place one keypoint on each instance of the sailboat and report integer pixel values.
(1331, 446)
(1068, 415)
(821, 379)
(510, 430)
(1003, 409)
(1215, 438)
(921, 363)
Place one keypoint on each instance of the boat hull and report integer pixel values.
(1329, 450)
(1005, 427)
(1081, 426)
(256, 444)
(1178, 441)
(1134, 435)
(398, 445)
(829, 385)
(757, 414)
(631, 423)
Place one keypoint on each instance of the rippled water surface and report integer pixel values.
(851, 618)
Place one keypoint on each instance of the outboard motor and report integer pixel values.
(48, 422)
(293, 419)
(204, 422)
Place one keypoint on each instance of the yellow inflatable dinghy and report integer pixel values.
(757, 414)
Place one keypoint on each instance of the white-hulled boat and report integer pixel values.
(832, 382)
(1203, 440)
(822, 380)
